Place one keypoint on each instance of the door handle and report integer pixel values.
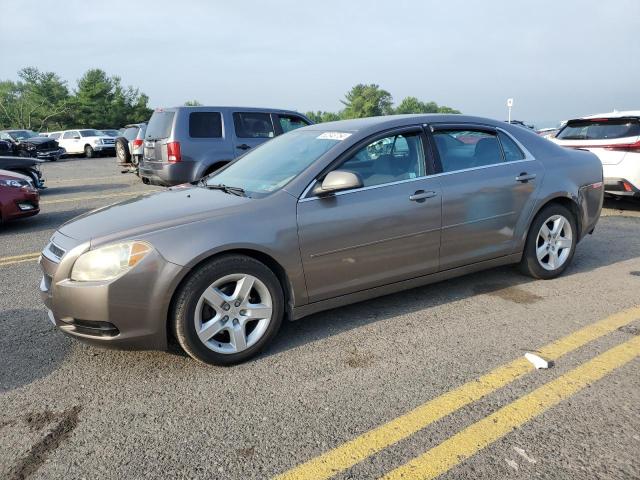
(421, 196)
(244, 146)
(524, 177)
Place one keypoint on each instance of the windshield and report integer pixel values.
(90, 133)
(275, 163)
(22, 134)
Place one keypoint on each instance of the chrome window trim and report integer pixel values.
(528, 158)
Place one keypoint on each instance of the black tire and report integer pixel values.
(122, 152)
(186, 299)
(530, 265)
(89, 152)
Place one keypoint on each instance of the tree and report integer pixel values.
(321, 117)
(101, 102)
(367, 101)
(413, 105)
(36, 100)
(192, 103)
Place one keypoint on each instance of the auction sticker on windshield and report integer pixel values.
(334, 136)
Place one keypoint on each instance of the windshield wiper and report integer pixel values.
(227, 189)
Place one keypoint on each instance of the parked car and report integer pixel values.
(615, 138)
(110, 132)
(87, 142)
(548, 133)
(129, 145)
(18, 196)
(184, 144)
(25, 166)
(317, 218)
(25, 143)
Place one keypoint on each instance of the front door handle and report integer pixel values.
(421, 196)
(524, 177)
(244, 146)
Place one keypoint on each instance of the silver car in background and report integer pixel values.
(130, 145)
(319, 217)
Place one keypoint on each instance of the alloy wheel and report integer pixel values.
(554, 242)
(233, 313)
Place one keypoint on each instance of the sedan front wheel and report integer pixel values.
(228, 310)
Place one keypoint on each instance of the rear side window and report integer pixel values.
(462, 149)
(205, 125)
(55, 136)
(130, 133)
(511, 150)
(160, 125)
(290, 122)
(253, 125)
(600, 129)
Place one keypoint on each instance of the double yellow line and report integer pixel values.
(27, 257)
(466, 443)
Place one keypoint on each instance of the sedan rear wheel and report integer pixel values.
(550, 244)
(228, 310)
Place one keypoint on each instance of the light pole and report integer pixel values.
(509, 105)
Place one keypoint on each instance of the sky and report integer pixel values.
(556, 59)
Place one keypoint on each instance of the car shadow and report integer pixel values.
(89, 188)
(622, 204)
(503, 282)
(41, 222)
(28, 350)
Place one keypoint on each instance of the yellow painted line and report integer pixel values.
(13, 262)
(94, 197)
(356, 450)
(17, 257)
(483, 433)
(84, 180)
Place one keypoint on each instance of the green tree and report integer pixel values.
(192, 103)
(367, 101)
(321, 117)
(35, 101)
(413, 105)
(101, 101)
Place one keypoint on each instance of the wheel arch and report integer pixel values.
(258, 255)
(567, 201)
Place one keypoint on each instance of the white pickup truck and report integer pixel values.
(89, 142)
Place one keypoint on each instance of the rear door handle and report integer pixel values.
(524, 177)
(421, 196)
(244, 146)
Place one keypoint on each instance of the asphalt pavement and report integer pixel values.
(424, 383)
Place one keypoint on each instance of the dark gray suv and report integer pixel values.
(184, 144)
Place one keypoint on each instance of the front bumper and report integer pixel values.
(127, 312)
(49, 154)
(111, 148)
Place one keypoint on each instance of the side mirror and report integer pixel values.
(76, 137)
(336, 181)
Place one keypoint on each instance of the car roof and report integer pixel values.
(614, 114)
(391, 121)
(226, 108)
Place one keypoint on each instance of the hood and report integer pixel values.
(8, 174)
(8, 163)
(37, 140)
(147, 213)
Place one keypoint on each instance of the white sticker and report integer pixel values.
(334, 136)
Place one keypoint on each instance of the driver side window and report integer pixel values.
(389, 159)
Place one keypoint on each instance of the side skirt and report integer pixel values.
(305, 310)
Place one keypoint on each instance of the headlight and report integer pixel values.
(99, 141)
(14, 183)
(108, 262)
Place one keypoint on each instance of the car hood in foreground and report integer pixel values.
(148, 213)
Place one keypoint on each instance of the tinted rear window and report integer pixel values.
(130, 133)
(253, 125)
(160, 125)
(600, 129)
(205, 125)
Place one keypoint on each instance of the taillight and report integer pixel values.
(633, 147)
(173, 152)
(137, 143)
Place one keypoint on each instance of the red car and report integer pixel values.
(18, 197)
